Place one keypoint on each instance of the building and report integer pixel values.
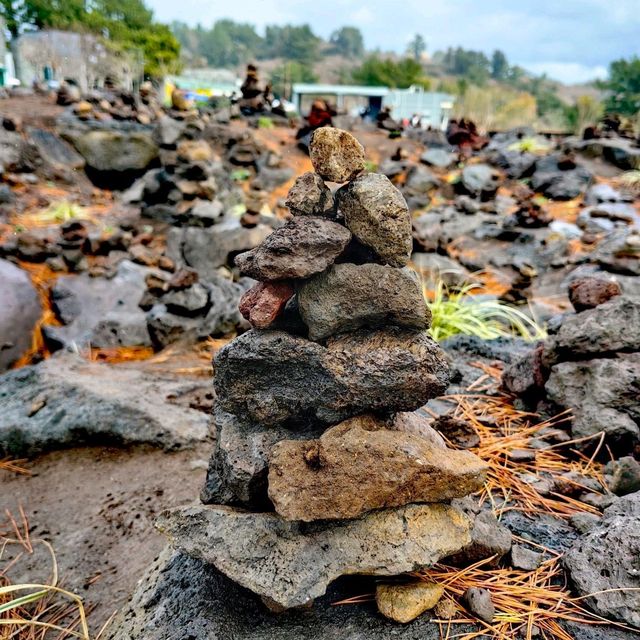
(433, 108)
(54, 56)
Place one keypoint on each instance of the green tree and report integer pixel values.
(499, 65)
(126, 24)
(347, 41)
(12, 12)
(417, 47)
(291, 43)
(229, 43)
(623, 86)
(474, 65)
(386, 72)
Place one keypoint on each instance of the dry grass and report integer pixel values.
(529, 604)
(14, 466)
(35, 611)
(503, 429)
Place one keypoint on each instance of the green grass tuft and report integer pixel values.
(459, 312)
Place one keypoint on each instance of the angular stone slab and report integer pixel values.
(303, 247)
(292, 563)
(360, 465)
(346, 297)
(272, 377)
(378, 216)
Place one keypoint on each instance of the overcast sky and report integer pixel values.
(570, 40)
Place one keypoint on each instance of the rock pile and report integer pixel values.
(318, 470)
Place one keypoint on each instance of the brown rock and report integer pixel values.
(360, 465)
(336, 155)
(192, 151)
(310, 196)
(418, 424)
(303, 247)
(262, 304)
(589, 292)
(445, 610)
(405, 602)
(378, 216)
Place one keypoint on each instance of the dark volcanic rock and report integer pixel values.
(55, 152)
(604, 395)
(304, 246)
(271, 377)
(336, 155)
(20, 310)
(346, 297)
(262, 551)
(182, 597)
(556, 181)
(315, 479)
(378, 216)
(606, 559)
(608, 328)
(66, 401)
(310, 196)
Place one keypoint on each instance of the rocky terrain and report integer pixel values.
(338, 436)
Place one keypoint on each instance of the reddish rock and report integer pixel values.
(262, 304)
(589, 292)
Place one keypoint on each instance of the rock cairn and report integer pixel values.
(320, 469)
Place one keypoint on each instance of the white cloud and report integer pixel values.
(568, 72)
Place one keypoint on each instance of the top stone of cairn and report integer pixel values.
(336, 155)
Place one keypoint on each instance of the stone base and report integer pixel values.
(181, 597)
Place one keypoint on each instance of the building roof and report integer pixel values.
(302, 88)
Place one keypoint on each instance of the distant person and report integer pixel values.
(321, 115)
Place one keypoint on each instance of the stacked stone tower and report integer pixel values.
(319, 468)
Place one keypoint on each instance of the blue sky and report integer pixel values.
(570, 40)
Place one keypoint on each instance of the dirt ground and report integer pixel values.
(97, 507)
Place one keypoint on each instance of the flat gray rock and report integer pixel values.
(292, 563)
(101, 312)
(206, 250)
(66, 401)
(272, 377)
(611, 327)
(346, 297)
(606, 559)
